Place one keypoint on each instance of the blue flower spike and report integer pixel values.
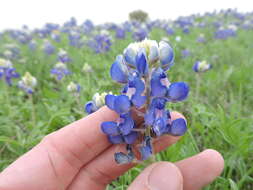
(146, 87)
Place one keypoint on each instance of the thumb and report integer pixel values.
(159, 176)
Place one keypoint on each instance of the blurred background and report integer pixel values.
(15, 13)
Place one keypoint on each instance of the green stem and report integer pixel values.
(33, 110)
(198, 83)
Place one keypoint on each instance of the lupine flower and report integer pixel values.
(74, 88)
(87, 68)
(185, 53)
(27, 83)
(178, 38)
(140, 34)
(201, 66)
(32, 45)
(224, 33)
(75, 39)
(60, 70)
(142, 71)
(101, 43)
(98, 100)
(12, 51)
(48, 47)
(201, 38)
(55, 35)
(7, 71)
(120, 33)
(63, 56)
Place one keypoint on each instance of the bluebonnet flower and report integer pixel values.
(201, 38)
(178, 39)
(140, 34)
(55, 35)
(120, 33)
(32, 45)
(185, 53)
(60, 70)
(87, 68)
(27, 83)
(74, 88)
(88, 26)
(48, 47)
(142, 71)
(201, 66)
(170, 31)
(101, 43)
(63, 56)
(98, 100)
(7, 71)
(225, 33)
(12, 51)
(75, 39)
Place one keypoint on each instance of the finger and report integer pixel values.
(201, 169)
(103, 169)
(60, 155)
(159, 176)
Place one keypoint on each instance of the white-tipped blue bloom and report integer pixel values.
(130, 53)
(119, 71)
(201, 66)
(27, 83)
(166, 55)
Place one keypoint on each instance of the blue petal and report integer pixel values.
(116, 139)
(128, 124)
(122, 158)
(153, 52)
(157, 88)
(141, 63)
(196, 67)
(110, 128)
(166, 55)
(119, 70)
(131, 138)
(90, 107)
(146, 150)
(109, 101)
(149, 117)
(178, 91)
(178, 127)
(122, 104)
(129, 55)
(160, 127)
(138, 100)
(159, 103)
(138, 84)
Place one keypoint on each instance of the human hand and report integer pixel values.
(79, 157)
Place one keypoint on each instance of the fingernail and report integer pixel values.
(165, 176)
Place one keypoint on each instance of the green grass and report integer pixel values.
(220, 117)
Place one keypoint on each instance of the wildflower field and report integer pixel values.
(48, 75)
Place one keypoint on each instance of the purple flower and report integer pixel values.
(60, 70)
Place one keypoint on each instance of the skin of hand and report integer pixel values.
(79, 157)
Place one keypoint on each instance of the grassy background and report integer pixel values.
(220, 117)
